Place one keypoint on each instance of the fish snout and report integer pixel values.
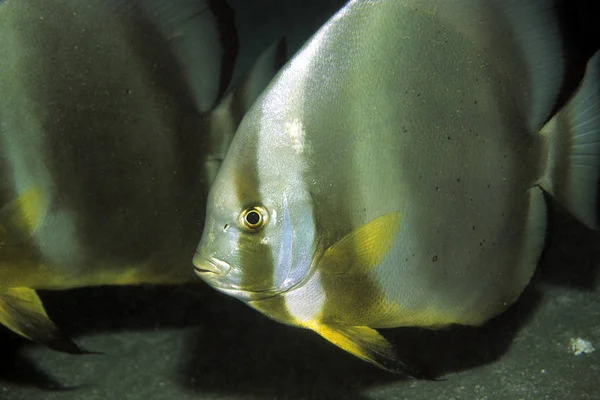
(207, 268)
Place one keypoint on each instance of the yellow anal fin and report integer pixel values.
(20, 217)
(22, 311)
(362, 249)
(368, 345)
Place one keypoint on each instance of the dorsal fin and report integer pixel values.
(227, 116)
(536, 28)
(203, 37)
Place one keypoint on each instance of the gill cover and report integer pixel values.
(260, 255)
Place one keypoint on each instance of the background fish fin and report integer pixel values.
(363, 248)
(22, 311)
(236, 103)
(537, 31)
(228, 114)
(367, 344)
(19, 218)
(255, 81)
(574, 138)
(203, 37)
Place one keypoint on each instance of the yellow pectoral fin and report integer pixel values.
(367, 344)
(20, 217)
(362, 249)
(22, 311)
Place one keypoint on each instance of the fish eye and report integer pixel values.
(254, 218)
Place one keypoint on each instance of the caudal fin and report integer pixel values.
(574, 168)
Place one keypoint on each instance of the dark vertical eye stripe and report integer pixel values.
(255, 263)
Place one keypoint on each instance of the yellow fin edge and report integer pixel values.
(368, 345)
(22, 311)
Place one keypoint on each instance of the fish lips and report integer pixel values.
(210, 268)
(213, 271)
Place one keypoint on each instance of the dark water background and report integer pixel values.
(193, 343)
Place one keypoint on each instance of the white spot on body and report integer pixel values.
(295, 131)
(288, 96)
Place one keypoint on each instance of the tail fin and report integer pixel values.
(574, 171)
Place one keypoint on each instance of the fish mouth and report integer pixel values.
(207, 267)
(214, 272)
